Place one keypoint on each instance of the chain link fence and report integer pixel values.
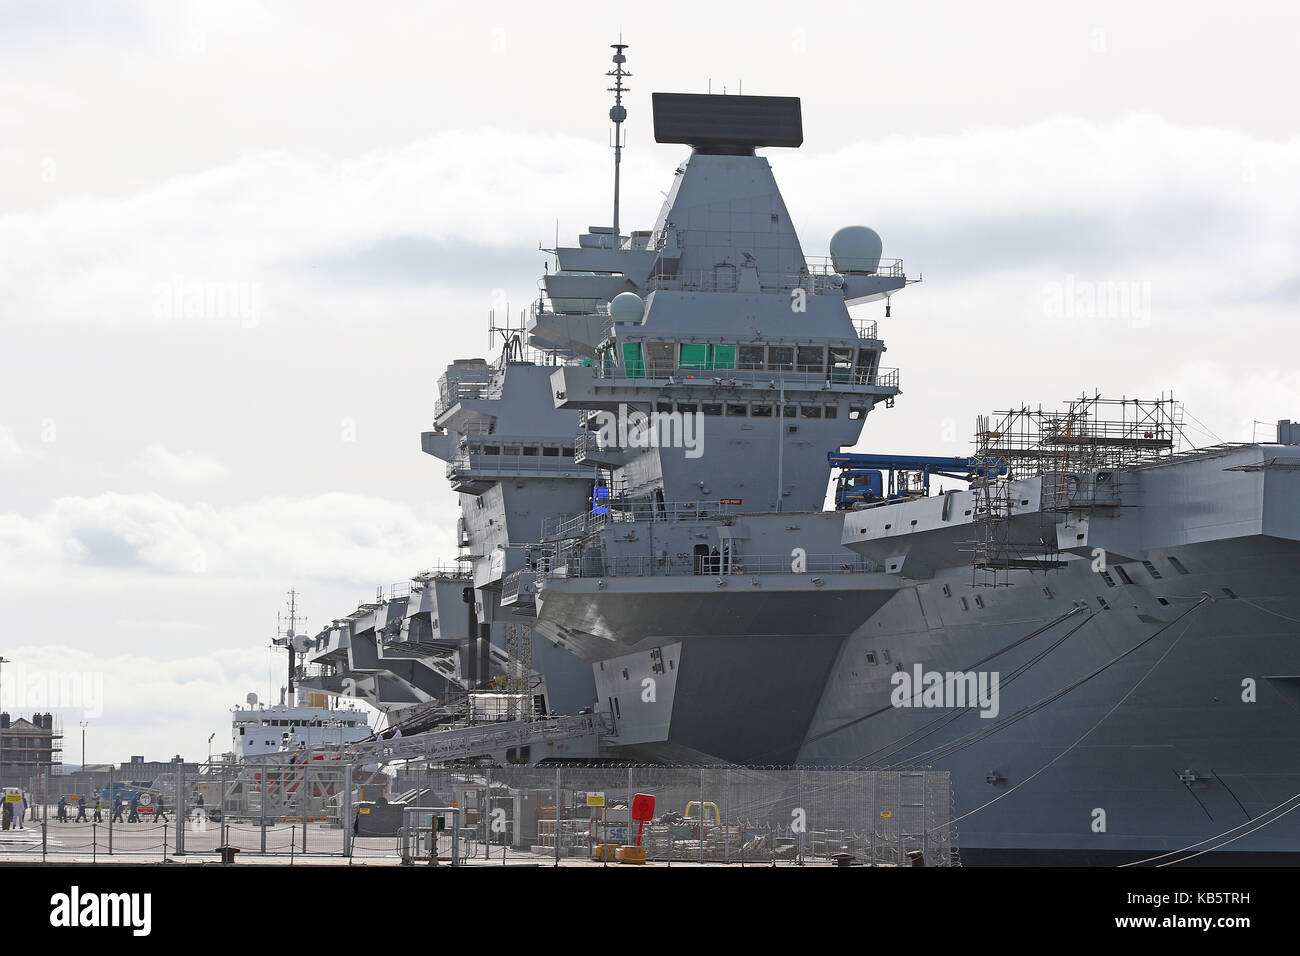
(703, 815)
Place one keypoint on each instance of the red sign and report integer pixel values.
(643, 807)
(729, 501)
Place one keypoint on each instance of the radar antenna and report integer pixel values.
(286, 629)
(618, 113)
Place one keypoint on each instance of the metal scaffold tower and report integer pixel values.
(1075, 452)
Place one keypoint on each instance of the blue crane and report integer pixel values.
(861, 478)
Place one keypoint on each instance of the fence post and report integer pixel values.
(557, 816)
(486, 813)
(726, 838)
(347, 811)
(701, 816)
(180, 809)
(45, 823)
(112, 799)
(165, 843)
(94, 842)
(805, 813)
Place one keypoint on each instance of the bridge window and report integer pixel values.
(530, 451)
(866, 370)
(761, 411)
(841, 364)
(633, 364)
(810, 411)
(491, 449)
(550, 452)
(856, 414)
(686, 408)
(780, 358)
(508, 450)
(694, 357)
(832, 411)
(812, 358)
(737, 410)
(724, 356)
(751, 357)
(790, 411)
(711, 408)
(567, 451)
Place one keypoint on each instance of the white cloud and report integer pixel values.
(158, 461)
(11, 452)
(330, 537)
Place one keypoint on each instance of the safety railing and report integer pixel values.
(712, 563)
(583, 524)
(750, 376)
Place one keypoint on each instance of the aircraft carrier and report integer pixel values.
(1092, 627)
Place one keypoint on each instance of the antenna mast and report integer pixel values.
(287, 631)
(618, 113)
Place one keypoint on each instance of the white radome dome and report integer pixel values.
(627, 307)
(856, 249)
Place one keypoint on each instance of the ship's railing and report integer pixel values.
(824, 265)
(713, 564)
(511, 465)
(800, 376)
(580, 525)
(817, 279)
(469, 385)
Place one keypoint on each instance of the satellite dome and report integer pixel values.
(627, 307)
(302, 643)
(856, 249)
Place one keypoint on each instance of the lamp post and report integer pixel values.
(210, 736)
(3, 661)
(83, 745)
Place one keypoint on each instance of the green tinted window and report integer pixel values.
(633, 366)
(694, 356)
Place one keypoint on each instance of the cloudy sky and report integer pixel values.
(239, 242)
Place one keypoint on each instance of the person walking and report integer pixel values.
(7, 814)
(81, 809)
(134, 815)
(99, 810)
(21, 815)
(63, 809)
(119, 805)
(160, 811)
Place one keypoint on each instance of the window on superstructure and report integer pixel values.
(866, 369)
(790, 411)
(810, 411)
(780, 358)
(686, 408)
(567, 451)
(761, 411)
(831, 411)
(810, 358)
(711, 408)
(856, 413)
(694, 357)
(666, 407)
(841, 364)
(509, 450)
(722, 356)
(737, 410)
(530, 451)
(550, 451)
(633, 364)
(659, 356)
(750, 357)
(491, 449)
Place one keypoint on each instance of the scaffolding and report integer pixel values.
(1075, 452)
